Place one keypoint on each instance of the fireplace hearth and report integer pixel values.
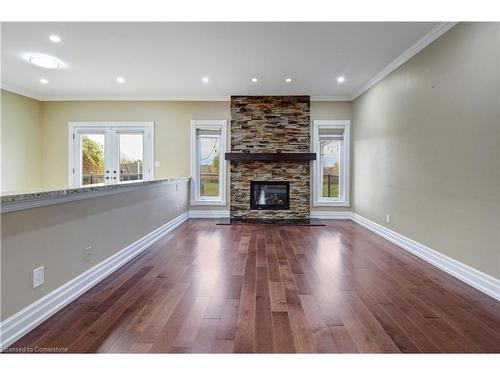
(269, 195)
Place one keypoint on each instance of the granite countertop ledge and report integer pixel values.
(23, 200)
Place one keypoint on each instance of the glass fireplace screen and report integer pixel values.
(270, 195)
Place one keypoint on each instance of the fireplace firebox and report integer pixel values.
(269, 195)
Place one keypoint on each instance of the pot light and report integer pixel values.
(254, 80)
(44, 81)
(205, 79)
(44, 61)
(55, 38)
(288, 80)
(120, 79)
(341, 79)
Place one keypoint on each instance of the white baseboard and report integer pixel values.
(477, 279)
(25, 320)
(331, 215)
(208, 214)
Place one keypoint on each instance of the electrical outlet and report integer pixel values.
(157, 163)
(38, 276)
(177, 208)
(88, 253)
(388, 218)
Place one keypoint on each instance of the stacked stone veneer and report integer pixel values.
(270, 124)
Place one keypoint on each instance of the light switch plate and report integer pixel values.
(157, 163)
(38, 276)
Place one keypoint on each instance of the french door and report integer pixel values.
(108, 153)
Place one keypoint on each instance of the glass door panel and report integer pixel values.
(131, 156)
(209, 149)
(92, 158)
(330, 168)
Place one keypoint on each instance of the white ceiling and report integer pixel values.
(168, 60)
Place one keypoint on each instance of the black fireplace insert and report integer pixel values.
(269, 195)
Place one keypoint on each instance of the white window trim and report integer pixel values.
(196, 200)
(343, 200)
(72, 150)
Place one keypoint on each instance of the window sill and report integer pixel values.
(331, 204)
(208, 202)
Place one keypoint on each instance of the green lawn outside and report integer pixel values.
(334, 190)
(209, 189)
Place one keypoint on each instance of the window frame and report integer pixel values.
(344, 179)
(196, 199)
(111, 130)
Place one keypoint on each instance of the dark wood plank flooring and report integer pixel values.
(275, 289)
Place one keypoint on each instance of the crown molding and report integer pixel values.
(148, 98)
(138, 98)
(48, 98)
(221, 98)
(423, 42)
(19, 91)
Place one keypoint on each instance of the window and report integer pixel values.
(208, 166)
(331, 140)
(105, 153)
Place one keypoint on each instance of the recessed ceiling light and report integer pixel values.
(44, 61)
(255, 80)
(340, 79)
(120, 80)
(44, 81)
(288, 80)
(205, 79)
(55, 38)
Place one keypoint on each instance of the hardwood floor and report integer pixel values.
(275, 289)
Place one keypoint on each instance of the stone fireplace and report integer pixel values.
(270, 157)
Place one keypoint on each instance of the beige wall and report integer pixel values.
(56, 237)
(21, 147)
(426, 146)
(172, 130)
(331, 110)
